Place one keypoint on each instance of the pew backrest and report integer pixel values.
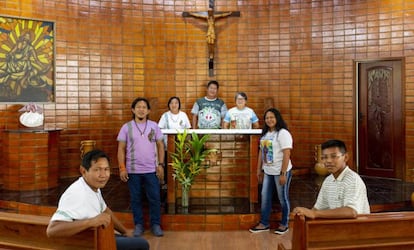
(23, 231)
(372, 231)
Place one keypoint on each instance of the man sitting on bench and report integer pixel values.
(82, 206)
(343, 193)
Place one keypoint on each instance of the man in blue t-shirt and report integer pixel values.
(209, 111)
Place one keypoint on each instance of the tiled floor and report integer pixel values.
(383, 194)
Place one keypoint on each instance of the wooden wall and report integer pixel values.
(300, 53)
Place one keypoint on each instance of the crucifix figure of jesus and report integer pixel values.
(211, 32)
(211, 16)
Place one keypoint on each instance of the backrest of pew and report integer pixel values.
(373, 230)
(299, 232)
(106, 238)
(22, 231)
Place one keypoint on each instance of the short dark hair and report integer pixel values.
(242, 94)
(139, 99)
(172, 98)
(334, 143)
(93, 156)
(213, 82)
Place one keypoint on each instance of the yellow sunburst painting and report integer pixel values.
(26, 60)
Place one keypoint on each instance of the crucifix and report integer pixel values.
(211, 16)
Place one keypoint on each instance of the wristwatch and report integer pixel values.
(161, 164)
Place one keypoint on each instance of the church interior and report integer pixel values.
(333, 68)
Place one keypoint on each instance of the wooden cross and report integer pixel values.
(211, 16)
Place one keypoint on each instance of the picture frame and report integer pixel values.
(27, 60)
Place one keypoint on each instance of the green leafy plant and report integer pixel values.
(188, 158)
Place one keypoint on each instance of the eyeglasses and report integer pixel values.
(331, 157)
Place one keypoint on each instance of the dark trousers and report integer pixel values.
(131, 243)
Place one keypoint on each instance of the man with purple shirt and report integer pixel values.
(140, 142)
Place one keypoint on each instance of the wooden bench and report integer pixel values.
(391, 230)
(22, 231)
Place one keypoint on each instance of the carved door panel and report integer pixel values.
(380, 126)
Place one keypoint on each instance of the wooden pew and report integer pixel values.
(391, 230)
(23, 231)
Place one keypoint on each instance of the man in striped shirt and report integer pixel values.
(343, 193)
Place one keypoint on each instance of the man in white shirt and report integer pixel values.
(82, 206)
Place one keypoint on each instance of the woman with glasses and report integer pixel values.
(274, 169)
(343, 193)
(241, 116)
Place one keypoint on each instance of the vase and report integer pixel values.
(86, 146)
(412, 199)
(320, 169)
(185, 199)
(319, 166)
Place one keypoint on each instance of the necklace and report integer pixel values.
(140, 131)
(176, 117)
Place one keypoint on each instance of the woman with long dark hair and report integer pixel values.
(274, 168)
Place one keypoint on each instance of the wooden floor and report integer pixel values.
(223, 240)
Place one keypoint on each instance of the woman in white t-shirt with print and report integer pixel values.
(174, 118)
(274, 169)
(241, 116)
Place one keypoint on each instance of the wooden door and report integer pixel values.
(380, 125)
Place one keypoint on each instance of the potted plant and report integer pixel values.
(188, 161)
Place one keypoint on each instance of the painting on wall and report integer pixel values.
(26, 60)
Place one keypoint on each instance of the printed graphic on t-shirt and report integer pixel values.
(175, 119)
(242, 120)
(267, 151)
(209, 117)
(151, 135)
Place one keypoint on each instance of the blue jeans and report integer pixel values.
(267, 195)
(150, 183)
(131, 243)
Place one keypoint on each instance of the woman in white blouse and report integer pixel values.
(174, 118)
